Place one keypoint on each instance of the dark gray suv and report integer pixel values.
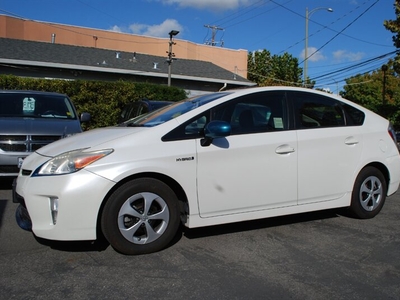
(30, 120)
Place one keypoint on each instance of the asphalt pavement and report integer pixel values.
(321, 255)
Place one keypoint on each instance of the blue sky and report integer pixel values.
(348, 40)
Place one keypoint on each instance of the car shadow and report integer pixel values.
(6, 183)
(194, 233)
(75, 246)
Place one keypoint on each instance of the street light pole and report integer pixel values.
(384, 70)
(171, 55)
(308, 15)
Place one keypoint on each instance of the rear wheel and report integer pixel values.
(142, 216)
(369, 193)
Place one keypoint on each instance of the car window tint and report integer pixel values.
(129, 111)
(142, 109)
(315, 111)
(191, 129)
(354, 116)
(172, 111)
(36, 106)
(258, 112)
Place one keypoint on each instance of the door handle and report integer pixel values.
(351, 140)
(284, 149)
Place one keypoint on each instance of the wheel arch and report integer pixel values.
(173, 184)
(382, 168)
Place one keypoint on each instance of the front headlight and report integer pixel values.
(70, 162)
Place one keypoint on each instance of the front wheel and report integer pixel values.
(369, 193)
(142, 216)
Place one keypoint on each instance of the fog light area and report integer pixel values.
(54, 209)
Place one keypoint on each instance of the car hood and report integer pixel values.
(23, 126)
(88, 139)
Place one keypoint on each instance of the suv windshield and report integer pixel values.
(35, 106)
(169, 112)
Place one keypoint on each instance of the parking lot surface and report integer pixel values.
(321, 255)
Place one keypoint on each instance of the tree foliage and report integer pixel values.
(267, 70)
(378, 91)
(394, 27)
(102, 99)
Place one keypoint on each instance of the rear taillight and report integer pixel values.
(392, 134)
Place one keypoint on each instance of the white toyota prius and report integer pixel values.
(217, 158)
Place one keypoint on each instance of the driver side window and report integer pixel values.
(254, 113)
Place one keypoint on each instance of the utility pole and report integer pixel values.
(308, 15)
(384, 70)
(171, 55)
(214, 33)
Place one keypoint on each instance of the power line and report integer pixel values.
(356, 65)
(336, 35)
(241, 12)
(328, 27)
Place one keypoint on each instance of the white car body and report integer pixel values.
(236, 178)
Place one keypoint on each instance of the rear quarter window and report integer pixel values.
(354, 116)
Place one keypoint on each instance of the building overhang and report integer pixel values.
(101, 69)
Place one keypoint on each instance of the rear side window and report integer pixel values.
(354, 116)
(316, 111)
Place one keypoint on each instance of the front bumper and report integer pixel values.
(23, 219)
(21, 214)
(79, 198)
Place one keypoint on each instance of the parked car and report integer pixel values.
(30, 120)
(137, 108)
(213, 159)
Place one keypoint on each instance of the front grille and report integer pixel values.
(43, 138)
(13, 147)
(10, 138)
(25, 143)
(8, 169)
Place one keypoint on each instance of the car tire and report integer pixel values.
(141, 216)
(369, 193)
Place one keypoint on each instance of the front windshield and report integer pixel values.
(172, 111)
(35, 105)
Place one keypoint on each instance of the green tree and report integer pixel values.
(378, 91)
(267, 70)
(258, 66)
(394, 27)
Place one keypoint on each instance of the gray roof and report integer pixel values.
(45, 54)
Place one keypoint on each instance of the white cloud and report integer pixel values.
(344, 55)
(116, 28)
(138, 28)
(155, 30)
(208, 4)
(312, 55)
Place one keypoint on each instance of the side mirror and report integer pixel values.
(85, 117)
(213, 130)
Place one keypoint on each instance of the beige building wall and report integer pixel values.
(15, 28)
